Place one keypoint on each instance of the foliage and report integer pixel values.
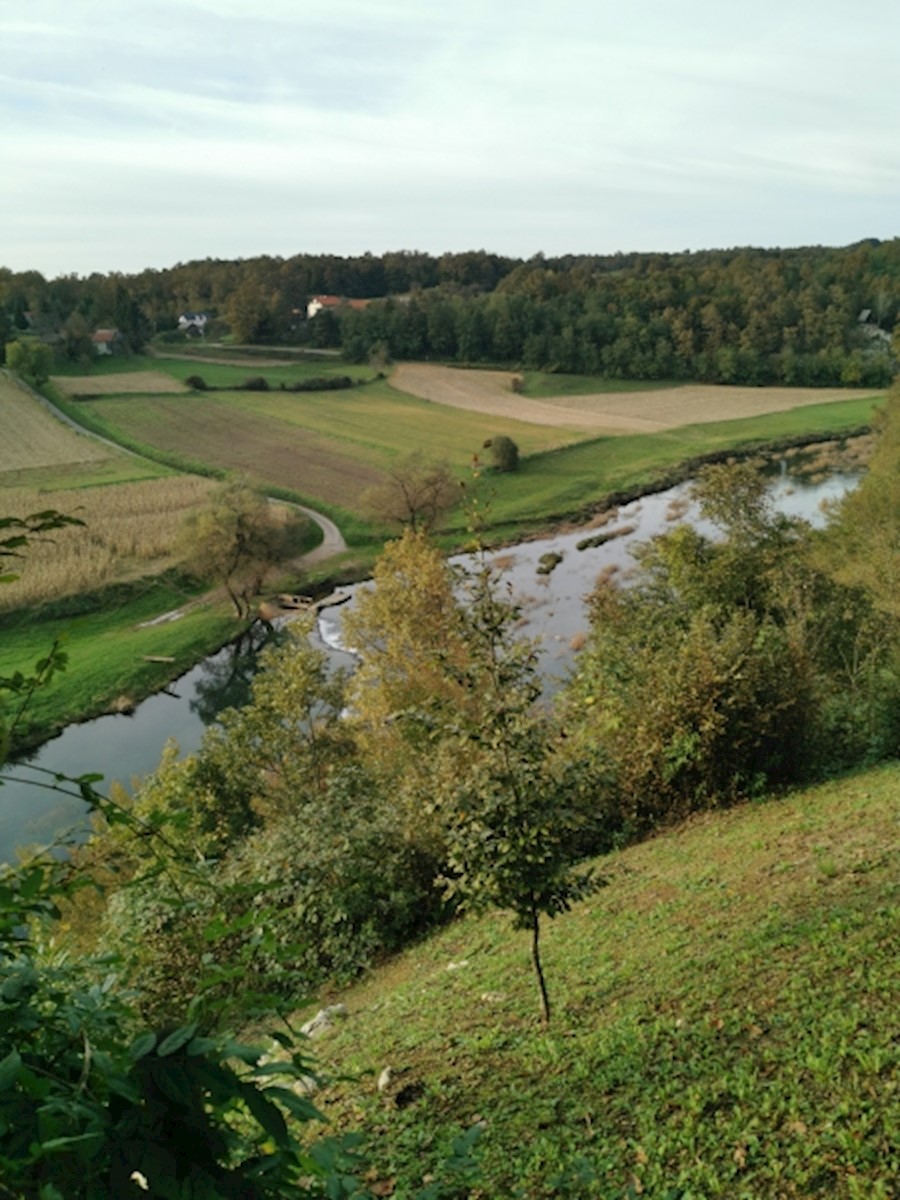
(196, 382)
(408, 630)
(730, 664)
(417, 493)
(510, 818)
(862, 547)
(504, 452)
(30, 358)
(236, 541)
(93, 1103)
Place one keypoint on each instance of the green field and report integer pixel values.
(324, 446)
(106, 651)
(725, 1022)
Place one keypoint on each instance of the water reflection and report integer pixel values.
(124, 746)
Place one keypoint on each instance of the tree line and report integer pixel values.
(811, 316)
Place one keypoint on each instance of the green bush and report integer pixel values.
(504, 452)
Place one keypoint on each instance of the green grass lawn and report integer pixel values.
(725, 1021)
(219, 374)
(106, 652)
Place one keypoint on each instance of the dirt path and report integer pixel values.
(607, 412)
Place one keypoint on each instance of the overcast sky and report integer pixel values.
(140, 134)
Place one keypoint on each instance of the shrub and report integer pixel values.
(197, 382)
(504, 452)
(255, 383)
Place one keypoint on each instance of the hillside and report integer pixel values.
(724, 1018)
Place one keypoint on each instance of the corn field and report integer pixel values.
(130, 529)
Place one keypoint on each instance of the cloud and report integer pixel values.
(375, 124)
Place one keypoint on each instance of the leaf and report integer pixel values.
(9, 1069)
(176, 1040)
(142, 1045)
(266, 1113)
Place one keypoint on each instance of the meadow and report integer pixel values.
(725, 1013)
(111, 642)
(323, 449)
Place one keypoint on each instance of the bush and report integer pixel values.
(320, 383)
(254, 383)
(504, 452)
(197, 382)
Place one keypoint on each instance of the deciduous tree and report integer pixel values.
(237, 540)
(418, 491)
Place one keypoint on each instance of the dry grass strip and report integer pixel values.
(125, 383)
(609, 412)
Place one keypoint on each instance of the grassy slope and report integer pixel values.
(725, 1010)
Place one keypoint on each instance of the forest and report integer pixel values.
(812, 316)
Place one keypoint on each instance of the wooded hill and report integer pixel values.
(809, 316)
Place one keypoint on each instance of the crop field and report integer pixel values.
(629, 411)
(129, 530)
(328, 446)
(30, 437)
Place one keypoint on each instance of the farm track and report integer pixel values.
(609, 412)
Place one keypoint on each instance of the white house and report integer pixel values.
(191, 322)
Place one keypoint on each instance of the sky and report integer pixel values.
(138, 134)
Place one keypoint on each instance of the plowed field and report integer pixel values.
(489, 392)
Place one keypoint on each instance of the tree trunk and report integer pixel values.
(536, 963)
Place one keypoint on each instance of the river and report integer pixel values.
(126, 747)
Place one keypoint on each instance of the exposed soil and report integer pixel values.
(260, 447)
(609, 412)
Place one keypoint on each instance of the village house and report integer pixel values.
(107, 341)
(317, 303)
(193, 322)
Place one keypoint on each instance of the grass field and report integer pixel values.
(106, 649)
(725, 1022)
(326, 446)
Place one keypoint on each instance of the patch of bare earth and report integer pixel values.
(268, 450)
(609, 412)
(138, 382)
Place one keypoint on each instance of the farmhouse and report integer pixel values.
(107, 341)
(193, 322)
(319, 302)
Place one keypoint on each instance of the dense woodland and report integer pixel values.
(812, 316)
